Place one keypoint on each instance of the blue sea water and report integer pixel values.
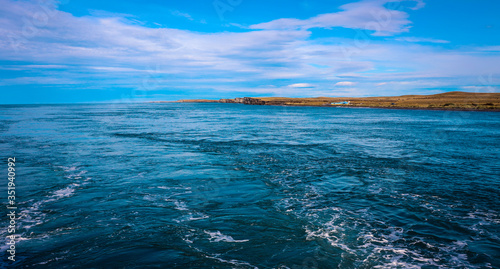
(235, 186)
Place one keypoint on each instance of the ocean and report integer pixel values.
(180, 185)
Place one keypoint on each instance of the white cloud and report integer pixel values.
(344, 84)
(301, 85)
(490, 48)
(182, 14)
(487, 89)
(422, 40)
(366, 15)
(116, 69)
(420, 4)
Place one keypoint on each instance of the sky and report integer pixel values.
(74, 51)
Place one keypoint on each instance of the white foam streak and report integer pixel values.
(31, 216)
(219, 237)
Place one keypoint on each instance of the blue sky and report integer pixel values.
(124, 51)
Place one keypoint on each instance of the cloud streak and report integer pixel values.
(301, 85)
(344, 84)
(422, 40)
(370, 15)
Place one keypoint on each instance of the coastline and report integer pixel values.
(450, 101)
(429, 108)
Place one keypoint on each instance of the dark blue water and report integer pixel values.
(237, 186)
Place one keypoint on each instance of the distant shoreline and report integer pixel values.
(453, 101)
(432, 108)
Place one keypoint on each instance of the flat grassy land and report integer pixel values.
(450, 100)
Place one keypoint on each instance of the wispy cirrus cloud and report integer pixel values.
(182, 14)
(370, 15)
(490, 48)
(418, 5)
(301, 85)
(187, 16)
(344, 84)
(422, 40)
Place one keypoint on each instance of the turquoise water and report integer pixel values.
(237, 186)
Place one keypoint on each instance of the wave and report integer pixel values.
(219, 237)
(31, 215)
(371, 242)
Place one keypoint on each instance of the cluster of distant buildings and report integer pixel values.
(342, 103)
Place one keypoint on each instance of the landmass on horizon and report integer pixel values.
(448, 101)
